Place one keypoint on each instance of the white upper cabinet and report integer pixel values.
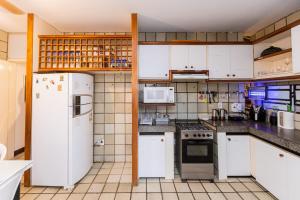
(188, 57)
(230, 61)
(153, 61)
(296, 48)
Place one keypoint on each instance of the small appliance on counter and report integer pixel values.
(273, 118)
(162, 119)
(146, 120)
(236, 116)
(285, 120)
(218, 114)
(258, 113)
(215, 114)
(222, 113)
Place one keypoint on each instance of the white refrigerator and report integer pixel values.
(62, 128)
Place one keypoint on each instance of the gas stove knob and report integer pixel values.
(208, 135)
(186, 135)
(195, 135)
(203, 135)
(199, 135)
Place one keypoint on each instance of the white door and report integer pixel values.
(241, 61)
(296, 48)
(271, 169)
(293, 177)
(153, 61)
(238, 155)
(179, 57)
(152, 156)
(218, 61)
(197, 57)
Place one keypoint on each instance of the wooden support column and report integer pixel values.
(28, 94)
(135, 92)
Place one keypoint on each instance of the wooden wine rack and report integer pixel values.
(85, 53)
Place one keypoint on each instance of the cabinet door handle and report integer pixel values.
(161, 139)
(233, 75)
(192, 67)
(227, 75)
(186, 67)
(281, 155)
(229, 139)
(166, 74)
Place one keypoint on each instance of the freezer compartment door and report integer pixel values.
(80, 110)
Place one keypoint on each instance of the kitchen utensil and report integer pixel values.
(273, 118)
(222, 114)
(285, 120)
(215, 114)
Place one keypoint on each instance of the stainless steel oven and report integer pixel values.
(195, 150)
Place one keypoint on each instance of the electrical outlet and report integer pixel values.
(99, 142)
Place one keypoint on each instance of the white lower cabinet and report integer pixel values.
(238, 155)
(271, 169)
(156, 155)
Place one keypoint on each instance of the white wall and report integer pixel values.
(40, 27)
(11, 106)
(17, 43)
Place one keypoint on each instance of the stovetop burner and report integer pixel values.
(191, 125)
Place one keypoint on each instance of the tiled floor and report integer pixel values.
(111, 181)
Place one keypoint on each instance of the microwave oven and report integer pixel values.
(159, 95)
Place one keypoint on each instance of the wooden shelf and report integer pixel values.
(158, 104)
(85, 53)
(270, 56)
(191, 42)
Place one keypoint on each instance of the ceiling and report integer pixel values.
(12, 23)
(159, 15)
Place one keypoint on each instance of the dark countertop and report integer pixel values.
(287, 139)
(158, 128)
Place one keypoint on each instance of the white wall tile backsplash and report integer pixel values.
(112, 117)
(189, 105)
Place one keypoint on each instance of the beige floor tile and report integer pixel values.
(127, 171)
(123, 196)
(163, 180)
(154, 196)
(101, 178)
(96, 188)
(138, 196)
(152, 180)
(93, 171)
(110, 187)
(24, 189)
(232, 196)
(125, 178)
(81, 188)
(196, 187)
(124, 187)
(113, 179)
(185, 196)
(91, 197)
(210, 187)
(117, 171)
(107, 165)
(51, 190)
(119, 165)
(182, 187)
(248, 196)
(201, 196)
(97, 165)
(60, 197)
(45, 197)
(232, 180)
(76, 196)
(140, 188)
(239, 187)
(29, 196)
(65, 191)
(153, 187)
(88, 179)
(170, 196)
(104, 171)
(167, 187)
(264, 196)
(36, 190)
(216, 196)
(225, 187)
(253, 187)
(107, 196)
(246, 180)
